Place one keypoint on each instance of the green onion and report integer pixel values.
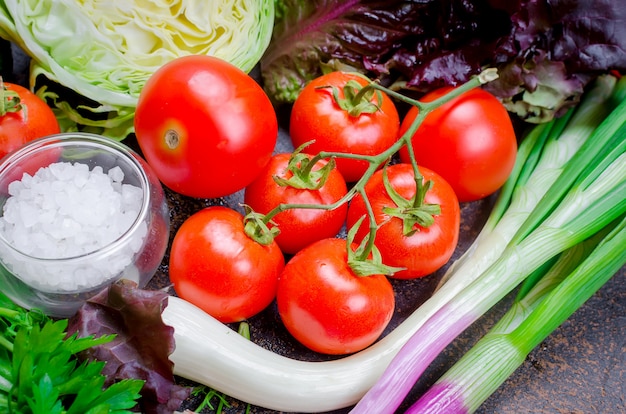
(549, 211)
(573, 279)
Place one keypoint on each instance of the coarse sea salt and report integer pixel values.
(66, 211)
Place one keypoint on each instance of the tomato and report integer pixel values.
(316, 115)
(326, 306)
(217, 267)
(32, 119)
(205, 126)
(298, 227)
(428, 248)
(469, 141)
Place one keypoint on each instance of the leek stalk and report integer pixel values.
(541, 159)
(584, 197)
(571, 281)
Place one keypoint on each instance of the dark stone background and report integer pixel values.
(579, 369)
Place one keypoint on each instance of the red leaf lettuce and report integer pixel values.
(142, 345)
(546, 51)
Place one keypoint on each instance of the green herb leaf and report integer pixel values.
(40, 373)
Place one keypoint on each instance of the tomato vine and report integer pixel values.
(366, 260)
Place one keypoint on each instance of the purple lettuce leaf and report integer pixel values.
(554, 50)
(382, 38)
(142, 345)
(546, 51)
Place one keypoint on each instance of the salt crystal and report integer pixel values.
(26, 180)
(131, 195)
(116, 174)
(61, 170)
(47, 215)
(126, 219)
(21, 241)
(15, 187)
(80, 177)
(26, 194)
(47, 202)
(65, 210)
(28, 214)
(11, 213)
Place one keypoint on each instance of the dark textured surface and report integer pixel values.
(580, 368)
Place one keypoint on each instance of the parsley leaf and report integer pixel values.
(40, 373)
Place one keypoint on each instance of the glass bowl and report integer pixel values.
(64, 238)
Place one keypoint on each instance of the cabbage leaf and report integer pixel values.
(91, 58)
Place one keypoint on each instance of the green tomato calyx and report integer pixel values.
(303, 176)
(366, 260)
(257, 228)
(415, 212)
(357, 99)
(9, 101)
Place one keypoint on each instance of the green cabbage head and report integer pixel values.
(91, 58)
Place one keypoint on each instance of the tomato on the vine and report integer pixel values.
(299, 227)
(206, 127)
(418, 249)
(24, 117)
(470, 141)
(217, 267)
(366, 127)
(326, 306)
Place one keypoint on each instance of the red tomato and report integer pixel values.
(217, 267)
(326, 306)
(469, 141)
(32, 119)
(205, 126)
(426, 250)
(298, 227)
(317, 116)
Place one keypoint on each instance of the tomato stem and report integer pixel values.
(9, 101)
(303, 176)
(373, 227)
(172, 139)
(418, 208)
(366, 260)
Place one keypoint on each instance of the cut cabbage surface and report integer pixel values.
(91, 58)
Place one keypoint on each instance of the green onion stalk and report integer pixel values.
(587, 195)
(577, 274)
